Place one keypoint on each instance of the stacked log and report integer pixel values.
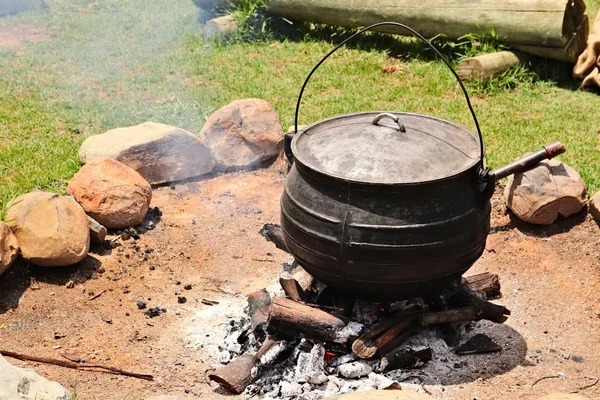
(556, 29)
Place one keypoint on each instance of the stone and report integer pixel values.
(52, 230)
(383, 395)
(595, 206)
(159, 152)
(243, 134)
(563, 396)
(25, 384)
(541, 194)
(9, 247)
(111, 193)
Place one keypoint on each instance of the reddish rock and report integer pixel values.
(52, 230)
(243, 134)
(111, 193)
(541, 194)
(9, 247)
(595, 206)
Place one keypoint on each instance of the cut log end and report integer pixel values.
(236, 375)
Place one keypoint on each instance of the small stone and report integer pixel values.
(540, 195)
(141, 304)
(58, 335)
(154, 312)
(101, 270)
(181, 299)
(224, 357)
(177, 282)
(188, 287)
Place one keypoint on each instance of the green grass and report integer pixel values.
(122, 62)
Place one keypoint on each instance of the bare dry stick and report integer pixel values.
(74, 365)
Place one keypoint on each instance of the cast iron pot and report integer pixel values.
(389, 205)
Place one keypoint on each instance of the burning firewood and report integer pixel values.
(274, 233)
(237, 375)
(289, 318)
(486, 283)
(258, 308)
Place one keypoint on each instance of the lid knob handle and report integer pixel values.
(393, 117)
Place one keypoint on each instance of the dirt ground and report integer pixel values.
(17, 36)
(207, 238)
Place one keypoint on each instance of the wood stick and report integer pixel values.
(237, 375)
(304, 279)
(289, 318)
(380, 335)
(97, 231)
(448, 316)
(74, 365)
(405, 358)
(290, 286)
(258, 308)
(486, 283)
(485, 66)
(274, 233)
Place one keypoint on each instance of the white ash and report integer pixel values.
(356, 369)
(271, 355)
(311, 366)
(365, 312)
(336, 362)
(352, 329)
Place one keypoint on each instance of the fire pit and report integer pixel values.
(311, 341)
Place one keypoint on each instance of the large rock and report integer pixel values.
(541, 194)
(52, 230)
(383, 395)
(595, 206)
(111, 193)
(160, 153)
(243, 134)
(25, 384)
(9, 247)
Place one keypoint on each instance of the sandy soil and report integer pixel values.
(18, 36)
(207, 237)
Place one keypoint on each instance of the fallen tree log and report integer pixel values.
(485, 66)
(556, 28)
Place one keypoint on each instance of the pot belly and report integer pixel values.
(383, 243)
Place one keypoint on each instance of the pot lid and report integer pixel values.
(396, 148)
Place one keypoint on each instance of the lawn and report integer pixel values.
(116, 63)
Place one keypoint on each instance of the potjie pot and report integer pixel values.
(389, 205)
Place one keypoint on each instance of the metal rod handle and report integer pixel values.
(422, 38)
(528, 162)
(391, 116)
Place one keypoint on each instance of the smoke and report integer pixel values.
(121, 62)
